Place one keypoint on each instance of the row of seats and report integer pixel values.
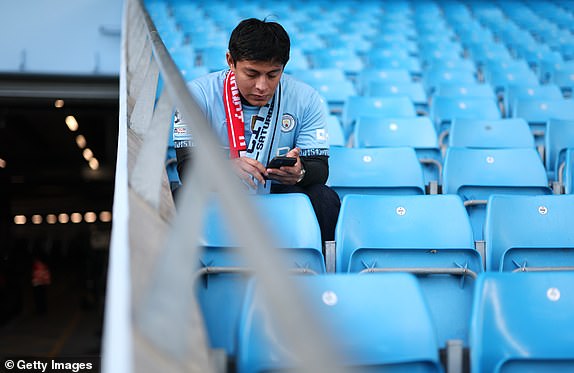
(382, 323)
(428, 236)
(418, 133)
(471, 174)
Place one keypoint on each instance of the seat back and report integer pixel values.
(372, 323)
(340, 58)
(497, 133)
(541, 110)
(430, 235)
(439, 75)
(413, 90)
(500, 78)
(334, 92)
(564, 78)
(375, 171)
(447, 109)
(531, 335)
(418, 133)
(522, 90)
(529, 232)
(388, 75)
(394, 107)
(462, 90)
(476, 174)
(314, 75)
(223, 275)
(410, 63)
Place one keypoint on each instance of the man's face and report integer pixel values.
(256, 80)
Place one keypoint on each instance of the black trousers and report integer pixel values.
(325, 202)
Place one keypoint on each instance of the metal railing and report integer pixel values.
(152, 319)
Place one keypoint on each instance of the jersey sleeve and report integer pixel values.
(312, 135)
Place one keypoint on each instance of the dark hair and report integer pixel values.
(257, 40)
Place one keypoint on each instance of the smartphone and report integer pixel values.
(282, 161)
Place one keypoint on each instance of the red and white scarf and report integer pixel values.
(264, 140)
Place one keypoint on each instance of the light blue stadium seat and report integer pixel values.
(184, 56)
(375, 171)
(443, 110)
(332, 74)
(473, 33)
(523, 323)
(502, 78)
(558, 138)
(336, 137)
(410, 63)
(452, 64)
(213, 58)
(462, 90)
(297, 61)
(537, 112)
(194, 72)
(533, 53)
(418, 133)
(522, 91)
(352, 41)
(564, 78)
(344, 59)
(222, 272)
(390, 75)
(476, 174)
(547, 64)
(413, 90)
(529, 233)
(441, 75)
(392, 107)
(207, 37)
(389, 40)
(319, 25)
(372, 323)
(440, 51)
(306, 41)
(428, 235)
(376, 54)
(482, 53)
(334, 92)
(496, 133)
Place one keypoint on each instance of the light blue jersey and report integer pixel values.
(302, 121)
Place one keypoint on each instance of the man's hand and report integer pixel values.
(288, 175)
(247, 168)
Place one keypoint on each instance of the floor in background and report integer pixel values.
(71, 326)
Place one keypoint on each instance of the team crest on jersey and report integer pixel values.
(287, 122)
